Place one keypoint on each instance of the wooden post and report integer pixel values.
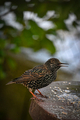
(63, 102)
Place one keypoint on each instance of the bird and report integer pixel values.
(40, 76)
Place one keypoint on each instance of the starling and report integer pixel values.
(40, 76)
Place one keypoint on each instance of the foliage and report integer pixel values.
(31, 35)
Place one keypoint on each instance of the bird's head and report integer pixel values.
(55, 64)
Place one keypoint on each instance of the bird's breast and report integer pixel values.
(42, 81)
(49, 78)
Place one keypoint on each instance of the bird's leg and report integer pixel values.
(30, 90)
(34, 95)
(41, 94)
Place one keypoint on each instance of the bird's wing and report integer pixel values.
(32, 74)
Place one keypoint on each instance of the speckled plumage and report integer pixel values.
(40, 76)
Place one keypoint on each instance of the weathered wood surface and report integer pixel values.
(63, 102)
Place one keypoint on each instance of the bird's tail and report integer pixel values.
(11, 82)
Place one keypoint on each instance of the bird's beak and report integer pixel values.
(63, 64)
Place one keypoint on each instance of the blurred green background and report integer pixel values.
(27, 24)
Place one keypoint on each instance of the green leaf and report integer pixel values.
(36, 30)
(49, 45)
(51, 31)
(26, 38)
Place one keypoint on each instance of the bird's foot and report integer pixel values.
(45, 96)
(41, 95)
(33, 98)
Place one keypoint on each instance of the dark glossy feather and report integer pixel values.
(32, 74)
